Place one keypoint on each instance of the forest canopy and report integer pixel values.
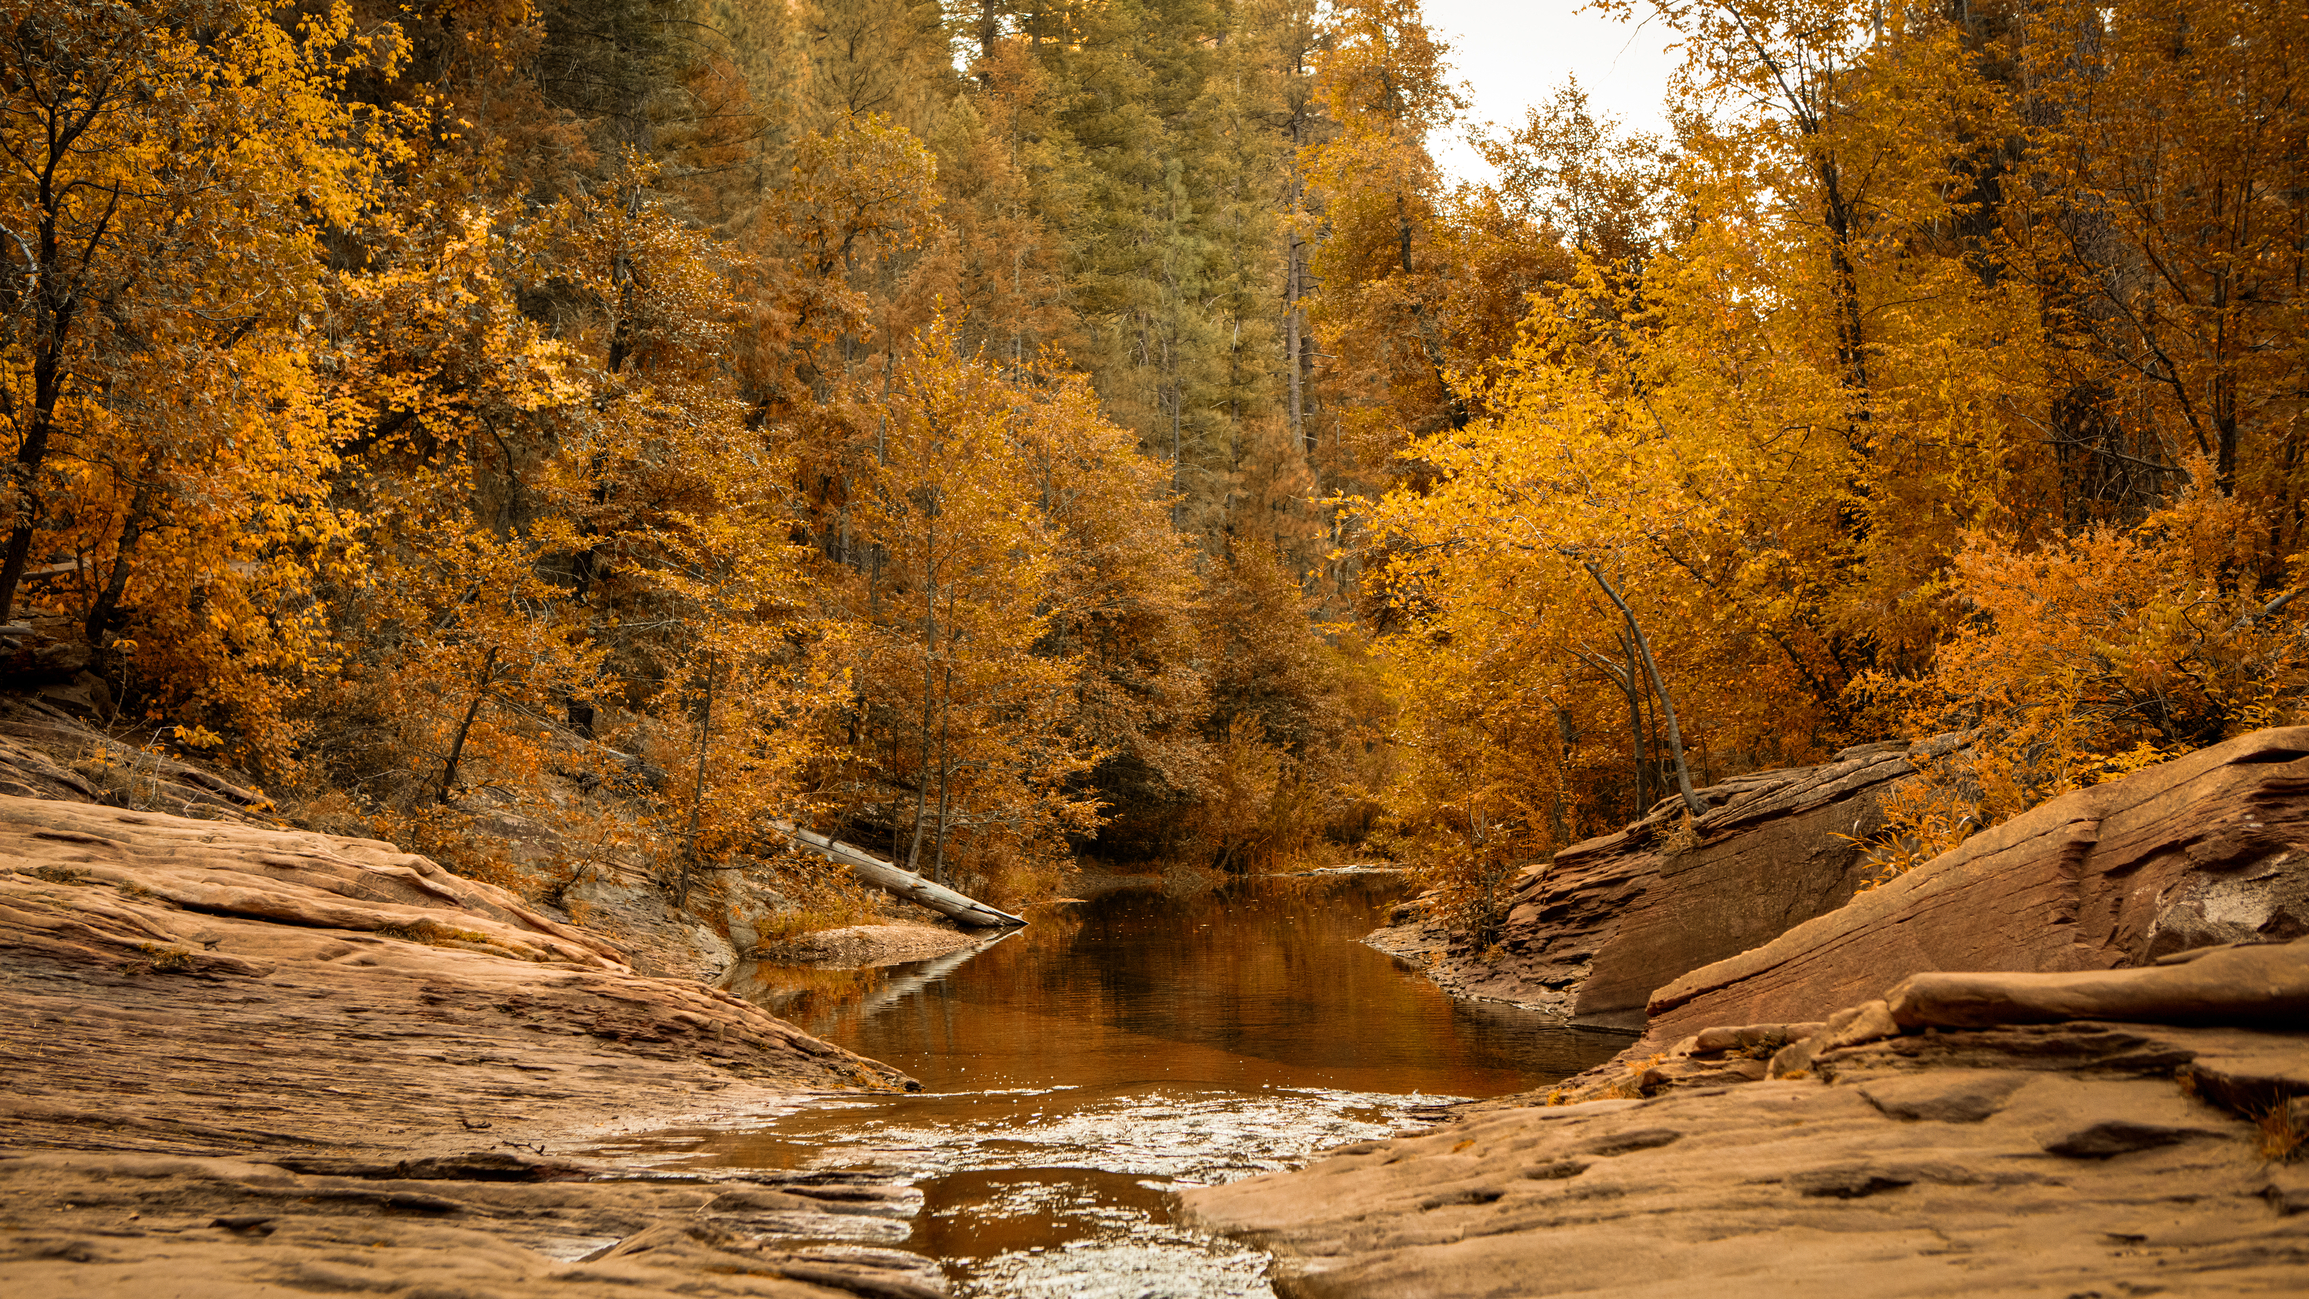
(993, 433)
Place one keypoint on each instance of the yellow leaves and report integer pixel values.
(2083, 659)
(198, 737)
(1004, 530)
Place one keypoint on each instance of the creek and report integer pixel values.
(1078, 1072)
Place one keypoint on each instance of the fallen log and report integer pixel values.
(903, 883)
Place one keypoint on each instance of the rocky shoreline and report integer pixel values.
(2065, 1160)
(2069, 1057)
(1591, 931)
(239, 1057)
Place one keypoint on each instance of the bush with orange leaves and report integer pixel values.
(2081, 659)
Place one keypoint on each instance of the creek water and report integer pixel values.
(1077, 1073)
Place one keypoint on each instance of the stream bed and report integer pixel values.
(1078, 1072)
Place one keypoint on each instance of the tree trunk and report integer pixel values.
(55, 308)
(1558, 822)
(945, 752)
(47, 387)
(131, 533)
(465, 728)
(1638, 759)
(929, 683)
(1667, 705)
(902, 883)
(697, 797)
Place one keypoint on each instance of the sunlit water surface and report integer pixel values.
(1077, 1073)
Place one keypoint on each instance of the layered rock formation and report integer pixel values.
(2079, 1159)
(159, 966)
(2071, 1057)
(113, 1223)
(1899, 1150)
(2210, 848)
(1592, 932)
(283, 1040)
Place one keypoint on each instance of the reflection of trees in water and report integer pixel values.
(1493, 1028)
(1261, 966)
(801, 992)
(1261, 978)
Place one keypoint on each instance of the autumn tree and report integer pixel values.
(2160, 219)
(1934, 312)
(169, 172)
(963, 729)
(1384, 81)
(562, 506)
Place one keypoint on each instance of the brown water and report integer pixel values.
(1076, 1073)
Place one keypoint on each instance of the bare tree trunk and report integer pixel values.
(1667, 705)
(465, 728)
(905, 884)
(1640, 755)
(1658, 769)
(697, 796)
(945, 748)
(1293, 346)
(945, 773)
(131, 533)
(929, 683)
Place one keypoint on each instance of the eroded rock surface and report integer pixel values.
(158, 966)
(271, 1044)
(2209, 849)
(2070, 1158)
(1591, 933)
(656, 936)
(109, 1223)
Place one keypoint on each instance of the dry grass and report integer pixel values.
(162, 960)
(1681, 837)
(2285, 1131)
(433, 934)
(834, 907)
(122, 777)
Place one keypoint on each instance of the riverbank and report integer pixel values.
(2008, 1161)
(237, 1053)
(1149, 1039)
(1589, 932)
(2115, 1098)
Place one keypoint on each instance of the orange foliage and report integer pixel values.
(2085, 658)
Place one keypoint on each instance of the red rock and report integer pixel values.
(2230, 985)
(205, 986)
(1591, 933)
(2015, 1160)
(2210, 848)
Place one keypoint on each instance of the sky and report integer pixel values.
(1514, 54)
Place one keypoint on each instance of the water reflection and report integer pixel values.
(1264, 983)
(1076, 1072)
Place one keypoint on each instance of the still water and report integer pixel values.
(1078, 1072)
